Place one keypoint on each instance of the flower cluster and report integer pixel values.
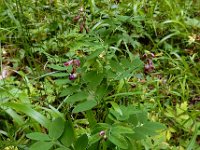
(81, 19)
(75, 63)
(148, 67)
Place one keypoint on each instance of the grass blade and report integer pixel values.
(26, 109)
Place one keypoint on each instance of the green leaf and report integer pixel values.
(119, 129)
(68, 90)
(17, 118)
(25, 108)
(77, 97)
(38, 136)
(168, 37)
(133, 119)
(56, 128)
(57, 67)
(155, 126)
(192, 142)
(116, 108)
(101, 92)
(41, 145)
(55, 112)
(62, 148)
(138, 135)
(91, 117)
(92, 6)
(126, 112)
(68, 136)
(123, 18)
(117, 115)
(93, 78)
(142, 117)
(175, 22)
(124, 94)
(116, 67)
(144, 130)
(81, 143)
(118, 140)
(193, 22)
(87, 105)
(94, 138)
(61, 81)
(95, 54)
(148, 129)
(137, 64)
(93, 146)
(100, 127)
(59, 74)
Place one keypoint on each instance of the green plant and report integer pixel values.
(127, 66)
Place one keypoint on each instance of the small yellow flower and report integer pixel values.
(192, 38)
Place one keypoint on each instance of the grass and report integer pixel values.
(114, 102)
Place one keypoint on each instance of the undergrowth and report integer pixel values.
(99, 74)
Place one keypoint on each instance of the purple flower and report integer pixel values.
(72, 76)
(102, 133)
(75, 63)
(149, 67)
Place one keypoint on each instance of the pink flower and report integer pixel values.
(68, 63)
(152, 55)
(75, 62)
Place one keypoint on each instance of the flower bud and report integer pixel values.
(81, 27)
(152, 55)
(76, 18)
(105, 137)
(102, 133)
